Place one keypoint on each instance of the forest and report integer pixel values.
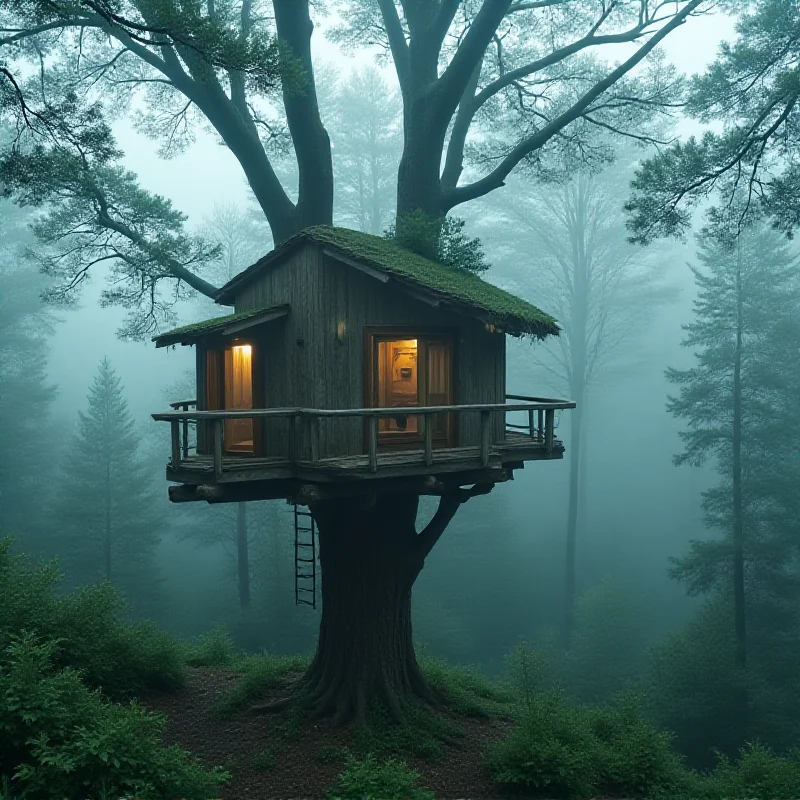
(621, 623)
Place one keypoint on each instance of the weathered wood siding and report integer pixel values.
(306, 365)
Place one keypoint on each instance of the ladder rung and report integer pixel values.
(306, 560)
(302, 575)
(305, 589)
(305, 544)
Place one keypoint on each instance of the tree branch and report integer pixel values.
(496, 178)
(454, 80)
(397, 41)
(449, 503)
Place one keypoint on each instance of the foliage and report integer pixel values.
(737, 406)
(559, 750)
(212, 649)
(108, 520)
(58, 738)
(84, 632)
(439, 239)
(264, 760)
(694, 689)
(370, 779)
(466, 690)
(258, 674)
(751, 90)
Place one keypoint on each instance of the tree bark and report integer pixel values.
(738, 520)
(570, 581)
(370, 556)
(242, 557)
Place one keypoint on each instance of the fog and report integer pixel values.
(497, 575)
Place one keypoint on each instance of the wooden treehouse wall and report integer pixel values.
(306, 364)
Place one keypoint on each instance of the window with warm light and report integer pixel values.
(229, 386)
(408, 373)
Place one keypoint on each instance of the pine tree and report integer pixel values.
(737, 401)
(106, 509)
(26, 441)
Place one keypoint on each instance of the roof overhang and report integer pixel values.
(221, 326)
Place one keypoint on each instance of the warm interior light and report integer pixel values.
(244, 350)
(341, 328)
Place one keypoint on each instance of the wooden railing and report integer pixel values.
(539, 428)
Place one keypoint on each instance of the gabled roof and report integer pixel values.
(220, 326)
(441, 285)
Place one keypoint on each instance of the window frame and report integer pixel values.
(373, 334)
(214, 378)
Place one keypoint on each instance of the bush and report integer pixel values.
(119, 659)
(560, 750)
(212, 649)
(369, 779)
(58, 738)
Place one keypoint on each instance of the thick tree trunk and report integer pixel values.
(242, 557)
(370, 557)
(369, 561)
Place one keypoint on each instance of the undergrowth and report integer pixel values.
(369, 778)
(257, 676)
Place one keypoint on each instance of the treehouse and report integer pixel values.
(350, 366)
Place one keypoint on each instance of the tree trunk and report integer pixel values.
(576, 419)
(369, 563)
(370, 556)
(738, 521)
(242, 558)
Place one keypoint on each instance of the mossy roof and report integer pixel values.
(460, 289)
(197, 330)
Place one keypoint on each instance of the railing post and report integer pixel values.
(218, 439)
(486, 430)
(176, 443)
(540, 425)
(549, 429)
(428, 439)
(185, 426)
(314, 420)
(531, 428)
(373, 444)
(293, 438)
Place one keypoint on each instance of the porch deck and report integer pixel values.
(220, 477)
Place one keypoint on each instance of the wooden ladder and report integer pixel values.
(305, 558)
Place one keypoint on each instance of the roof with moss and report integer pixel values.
(464, 291)
(216, 325)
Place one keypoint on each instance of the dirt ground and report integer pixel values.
(296, 766)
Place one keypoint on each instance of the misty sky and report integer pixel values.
(208, 173)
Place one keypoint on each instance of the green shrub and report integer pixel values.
(562, 750)
(757, 775)
(60, 739)
(121, 660)
(212, 649)
(552, 752)
(369, 779)
(259, 674)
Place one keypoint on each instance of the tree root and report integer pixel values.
(274, 707)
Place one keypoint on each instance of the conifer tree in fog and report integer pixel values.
(27, 445)
(739, 406)
(106, 520)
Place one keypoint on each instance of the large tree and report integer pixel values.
(244, 70)
(737, 407)
(751, 91)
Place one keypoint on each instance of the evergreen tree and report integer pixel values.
(737, 401)
(109, 528)
(26, 441)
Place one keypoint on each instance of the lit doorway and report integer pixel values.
(230, 388)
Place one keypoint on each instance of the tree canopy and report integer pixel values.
(751, 91)
(485, 86)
